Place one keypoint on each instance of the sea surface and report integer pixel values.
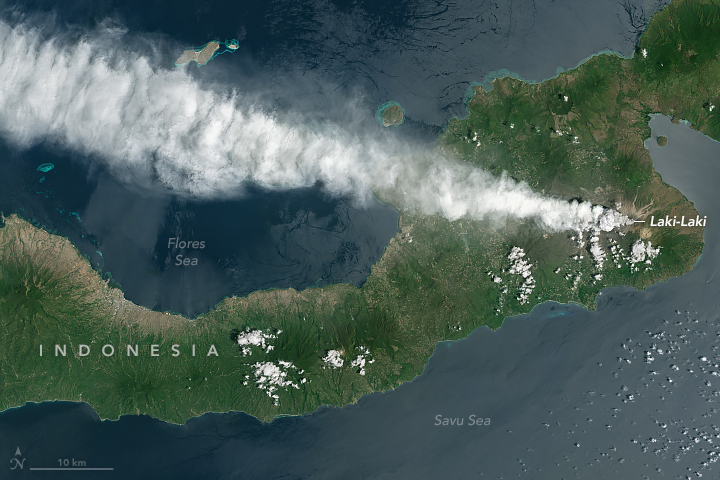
(263, 239)
(628, 391)
(423, 54)
(331, 61)
(569, 393)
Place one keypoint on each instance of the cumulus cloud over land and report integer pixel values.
(153, 124)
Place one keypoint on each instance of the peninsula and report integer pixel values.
(283, 352)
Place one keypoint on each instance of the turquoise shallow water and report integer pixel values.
(329, 63)
(622, 392)
(555, 384)
(383, 107)
(423, 55)
(260, 240)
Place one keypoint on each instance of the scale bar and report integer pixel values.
(59, 469)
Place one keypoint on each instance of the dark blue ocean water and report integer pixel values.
(567, 392)
(310, 57)
(264, 239)
(423, 54)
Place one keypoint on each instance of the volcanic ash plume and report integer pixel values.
(153, 125)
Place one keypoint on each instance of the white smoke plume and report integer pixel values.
(156, 124)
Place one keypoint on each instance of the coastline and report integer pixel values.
(383, 261)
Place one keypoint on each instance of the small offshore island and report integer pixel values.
(206, 53)
(390, 114)
(284, 352)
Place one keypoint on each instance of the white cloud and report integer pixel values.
(641, 250)
(268, 377)
(334, 359)
(150, 124)
(597, 252)
(254, 338)
(520, 266)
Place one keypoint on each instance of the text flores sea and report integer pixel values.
(622, 392)
(294, 238)
(390, 432)
(172, 254)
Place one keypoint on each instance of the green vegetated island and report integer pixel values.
(390, 114)
(276, 352)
